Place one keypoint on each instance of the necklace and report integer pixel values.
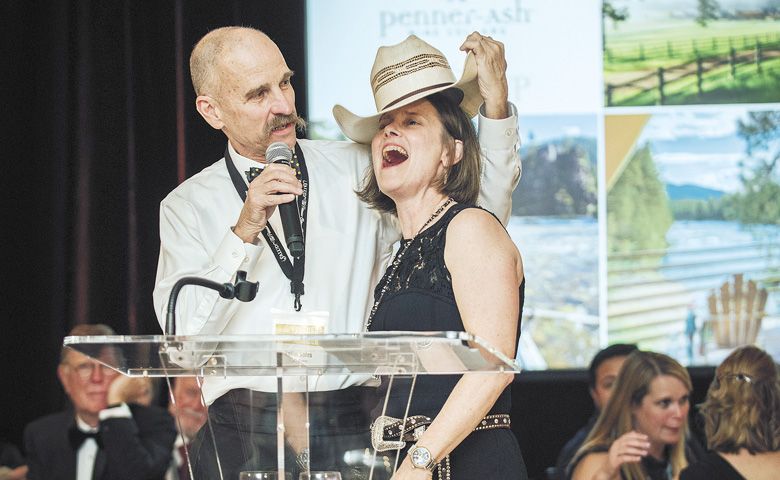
(397, 262)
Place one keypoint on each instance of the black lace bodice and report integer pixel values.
(419, 297)
(422, 276)
(422, 262)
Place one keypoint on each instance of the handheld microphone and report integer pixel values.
(279, 152)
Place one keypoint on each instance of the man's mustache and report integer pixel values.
(282, 120)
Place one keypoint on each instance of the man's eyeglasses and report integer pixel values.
(86, 370)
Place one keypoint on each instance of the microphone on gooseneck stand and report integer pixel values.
(243, 290)
(279, 152)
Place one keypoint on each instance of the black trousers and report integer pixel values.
(241, 435)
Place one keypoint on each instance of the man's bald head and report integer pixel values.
(243, 88)
(215, 47)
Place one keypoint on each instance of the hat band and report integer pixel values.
(406, 67)
(415, 92)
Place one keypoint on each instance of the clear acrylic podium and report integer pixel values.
(289, 430)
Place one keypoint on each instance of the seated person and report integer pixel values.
(190, 414)
(602, 372)
(741, 420)
(642, 431)
(457, 268)
(96, 440)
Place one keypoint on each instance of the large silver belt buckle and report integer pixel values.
(378, 435)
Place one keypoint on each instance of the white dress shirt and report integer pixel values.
(348, 246)
(85, 457)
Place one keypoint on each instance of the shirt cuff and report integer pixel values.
(498, 133)
(118, 411)
(233, 254)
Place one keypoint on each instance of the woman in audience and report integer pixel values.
(641, 434)
(741, 420)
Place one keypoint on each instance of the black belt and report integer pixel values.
(388, 433)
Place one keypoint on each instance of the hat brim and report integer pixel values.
(362, 129)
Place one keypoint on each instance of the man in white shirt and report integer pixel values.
(212, 224)
(96, 440)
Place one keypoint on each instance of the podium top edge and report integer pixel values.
(398, 335)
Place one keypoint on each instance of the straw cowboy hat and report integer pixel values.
(403, 74)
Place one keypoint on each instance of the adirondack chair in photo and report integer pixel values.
(736, 312)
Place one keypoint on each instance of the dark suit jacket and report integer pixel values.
(133, 448)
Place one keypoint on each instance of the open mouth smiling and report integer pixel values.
(393, 155)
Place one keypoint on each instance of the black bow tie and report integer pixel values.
(252, 173)
(77, 437)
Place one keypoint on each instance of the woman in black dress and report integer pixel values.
(456, 269)
(741, 420)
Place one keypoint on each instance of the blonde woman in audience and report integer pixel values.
(741, 420)
(642, 432)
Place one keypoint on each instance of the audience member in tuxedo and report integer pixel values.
(12, 465)
(223, 220)
(741, 420)
(642, 433)
(93, 439)
(602, 373)
(189, 412)
(457, 269)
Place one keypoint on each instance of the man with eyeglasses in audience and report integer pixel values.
(97, 439)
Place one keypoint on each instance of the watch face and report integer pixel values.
(421, 457)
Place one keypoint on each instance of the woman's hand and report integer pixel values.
(628, 448)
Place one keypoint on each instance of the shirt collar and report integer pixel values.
(180, 441)
(241, 162)
(84, 426)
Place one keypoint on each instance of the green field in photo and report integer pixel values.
(673, 42)
(718, 86)
(727, 50)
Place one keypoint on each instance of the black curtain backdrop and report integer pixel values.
(100, 125)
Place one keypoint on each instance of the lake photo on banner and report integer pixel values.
(649, 301)
(560, 260)
(660, 299)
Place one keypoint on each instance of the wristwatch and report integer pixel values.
(421, 458)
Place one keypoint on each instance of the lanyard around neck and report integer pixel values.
(292, 269)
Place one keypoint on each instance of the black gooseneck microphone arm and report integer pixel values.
(243, 290)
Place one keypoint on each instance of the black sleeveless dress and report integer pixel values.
(420, 298)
